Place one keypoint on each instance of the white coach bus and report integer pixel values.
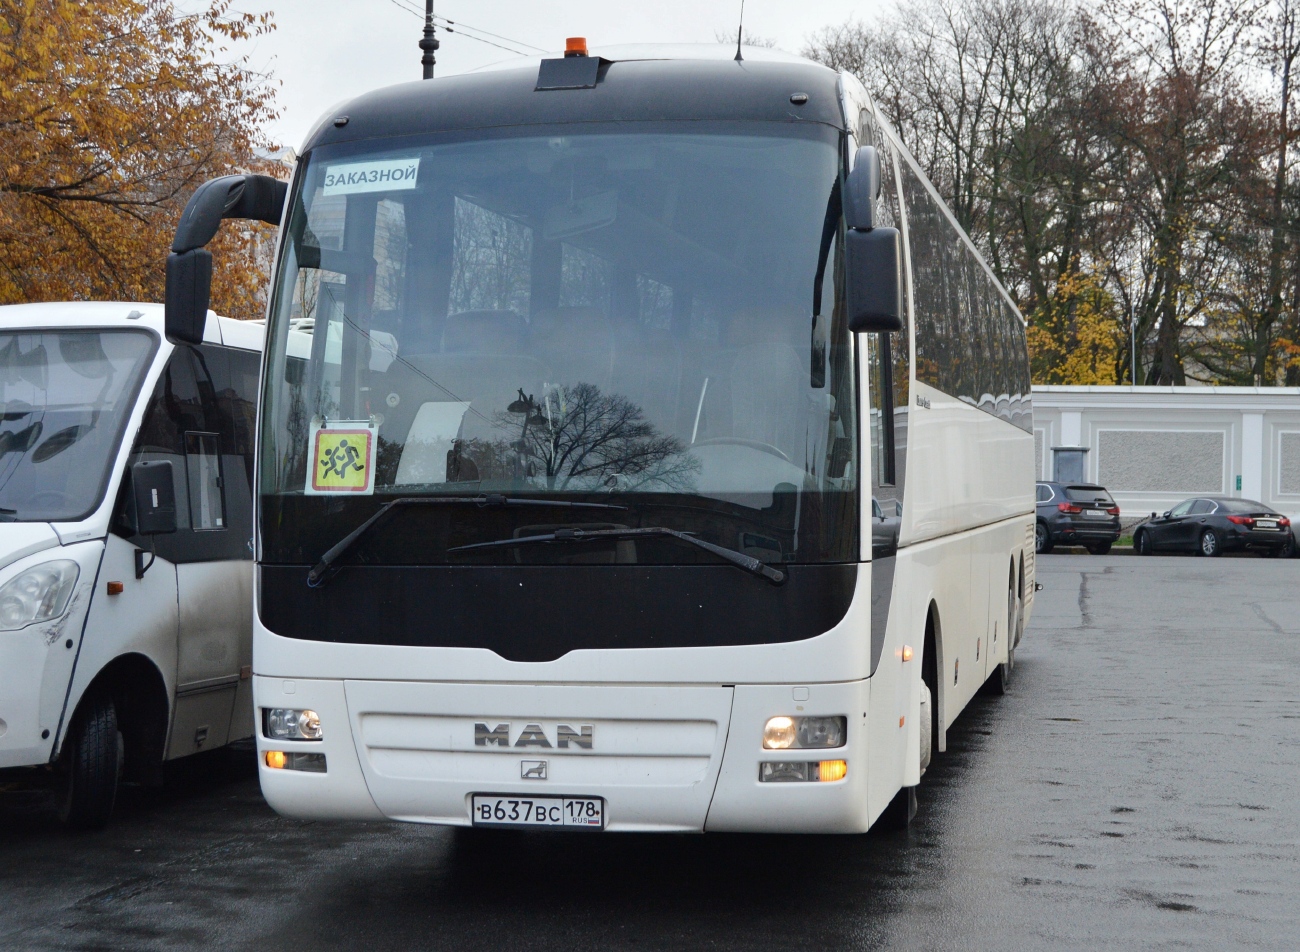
(126, 515)
(661, 458)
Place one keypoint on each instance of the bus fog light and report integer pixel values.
(784, 772)
(293, 760)
(778, 733)
(781, 733)
(283, 723)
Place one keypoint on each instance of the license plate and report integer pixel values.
(1097, 513)
(1261, 524)
(581, 812)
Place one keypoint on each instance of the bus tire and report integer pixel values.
(94, 752)
(999, 682)
(901, 810)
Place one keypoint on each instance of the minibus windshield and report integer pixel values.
(66, 395)
(596, 313)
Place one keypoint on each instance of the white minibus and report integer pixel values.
(126, 509)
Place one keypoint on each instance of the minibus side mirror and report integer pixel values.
(872, 256)
(154, 493)
(189, 266)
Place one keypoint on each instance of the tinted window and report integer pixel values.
(1088, 494)
(1181, 509)
(200, 418)
(651, 316)
(1241, 505)
(889, 353)
(1201, 506)
(970, 342)
(1044, 493)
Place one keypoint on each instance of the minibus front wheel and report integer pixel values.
(93, 754)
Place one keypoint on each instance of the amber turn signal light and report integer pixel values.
(275, 759)
(116, 588)
(832, 770)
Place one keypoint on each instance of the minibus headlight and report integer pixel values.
(284, 723)
(782, 733)
(39, 594)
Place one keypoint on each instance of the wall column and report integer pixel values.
(1252, 456)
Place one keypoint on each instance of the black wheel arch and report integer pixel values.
(139, 695)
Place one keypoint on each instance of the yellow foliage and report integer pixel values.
(1072, 337)
(111, 114)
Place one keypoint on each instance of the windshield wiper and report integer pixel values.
(491, 501)
(738, 559)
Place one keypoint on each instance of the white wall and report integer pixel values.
(1153, 446)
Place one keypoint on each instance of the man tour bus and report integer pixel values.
(126, 513)
(565, 514)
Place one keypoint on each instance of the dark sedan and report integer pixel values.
(1212, 525)
(1078, 514)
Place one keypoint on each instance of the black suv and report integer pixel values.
(1079, 514)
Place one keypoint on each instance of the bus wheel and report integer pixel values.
(94, 754)
(898, 815)
(999, 682)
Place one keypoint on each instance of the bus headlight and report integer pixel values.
(283, 723)
(39, 594)
(801, 733)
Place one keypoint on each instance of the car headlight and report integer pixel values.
(39, 594)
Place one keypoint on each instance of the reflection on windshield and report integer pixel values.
(65, 397)
(624, 314)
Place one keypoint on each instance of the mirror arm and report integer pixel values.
(140, 565)
(251, 197)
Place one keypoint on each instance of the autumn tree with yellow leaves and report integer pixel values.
(111, 114)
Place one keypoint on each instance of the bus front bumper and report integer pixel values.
(679, 758)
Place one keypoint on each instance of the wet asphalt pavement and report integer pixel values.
(1138, 789)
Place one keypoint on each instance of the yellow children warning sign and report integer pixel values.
(342, 458)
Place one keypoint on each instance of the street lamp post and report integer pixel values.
(429, 43)
(1133, 337)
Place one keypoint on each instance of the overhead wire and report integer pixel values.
(466, 30)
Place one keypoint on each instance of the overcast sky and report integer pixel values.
(325, 51)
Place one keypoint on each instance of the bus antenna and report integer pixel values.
(429, 43)
(740, 31)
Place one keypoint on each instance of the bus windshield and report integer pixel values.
(66, 396)
(644, 318)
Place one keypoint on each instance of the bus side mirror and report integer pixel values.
(189, 266)
(154, 494)
(873, 280)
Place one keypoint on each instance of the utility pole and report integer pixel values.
(430, 42)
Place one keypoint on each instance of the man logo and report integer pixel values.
(532, 769)
(534, 736)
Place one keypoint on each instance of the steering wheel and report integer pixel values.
(752, 444)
